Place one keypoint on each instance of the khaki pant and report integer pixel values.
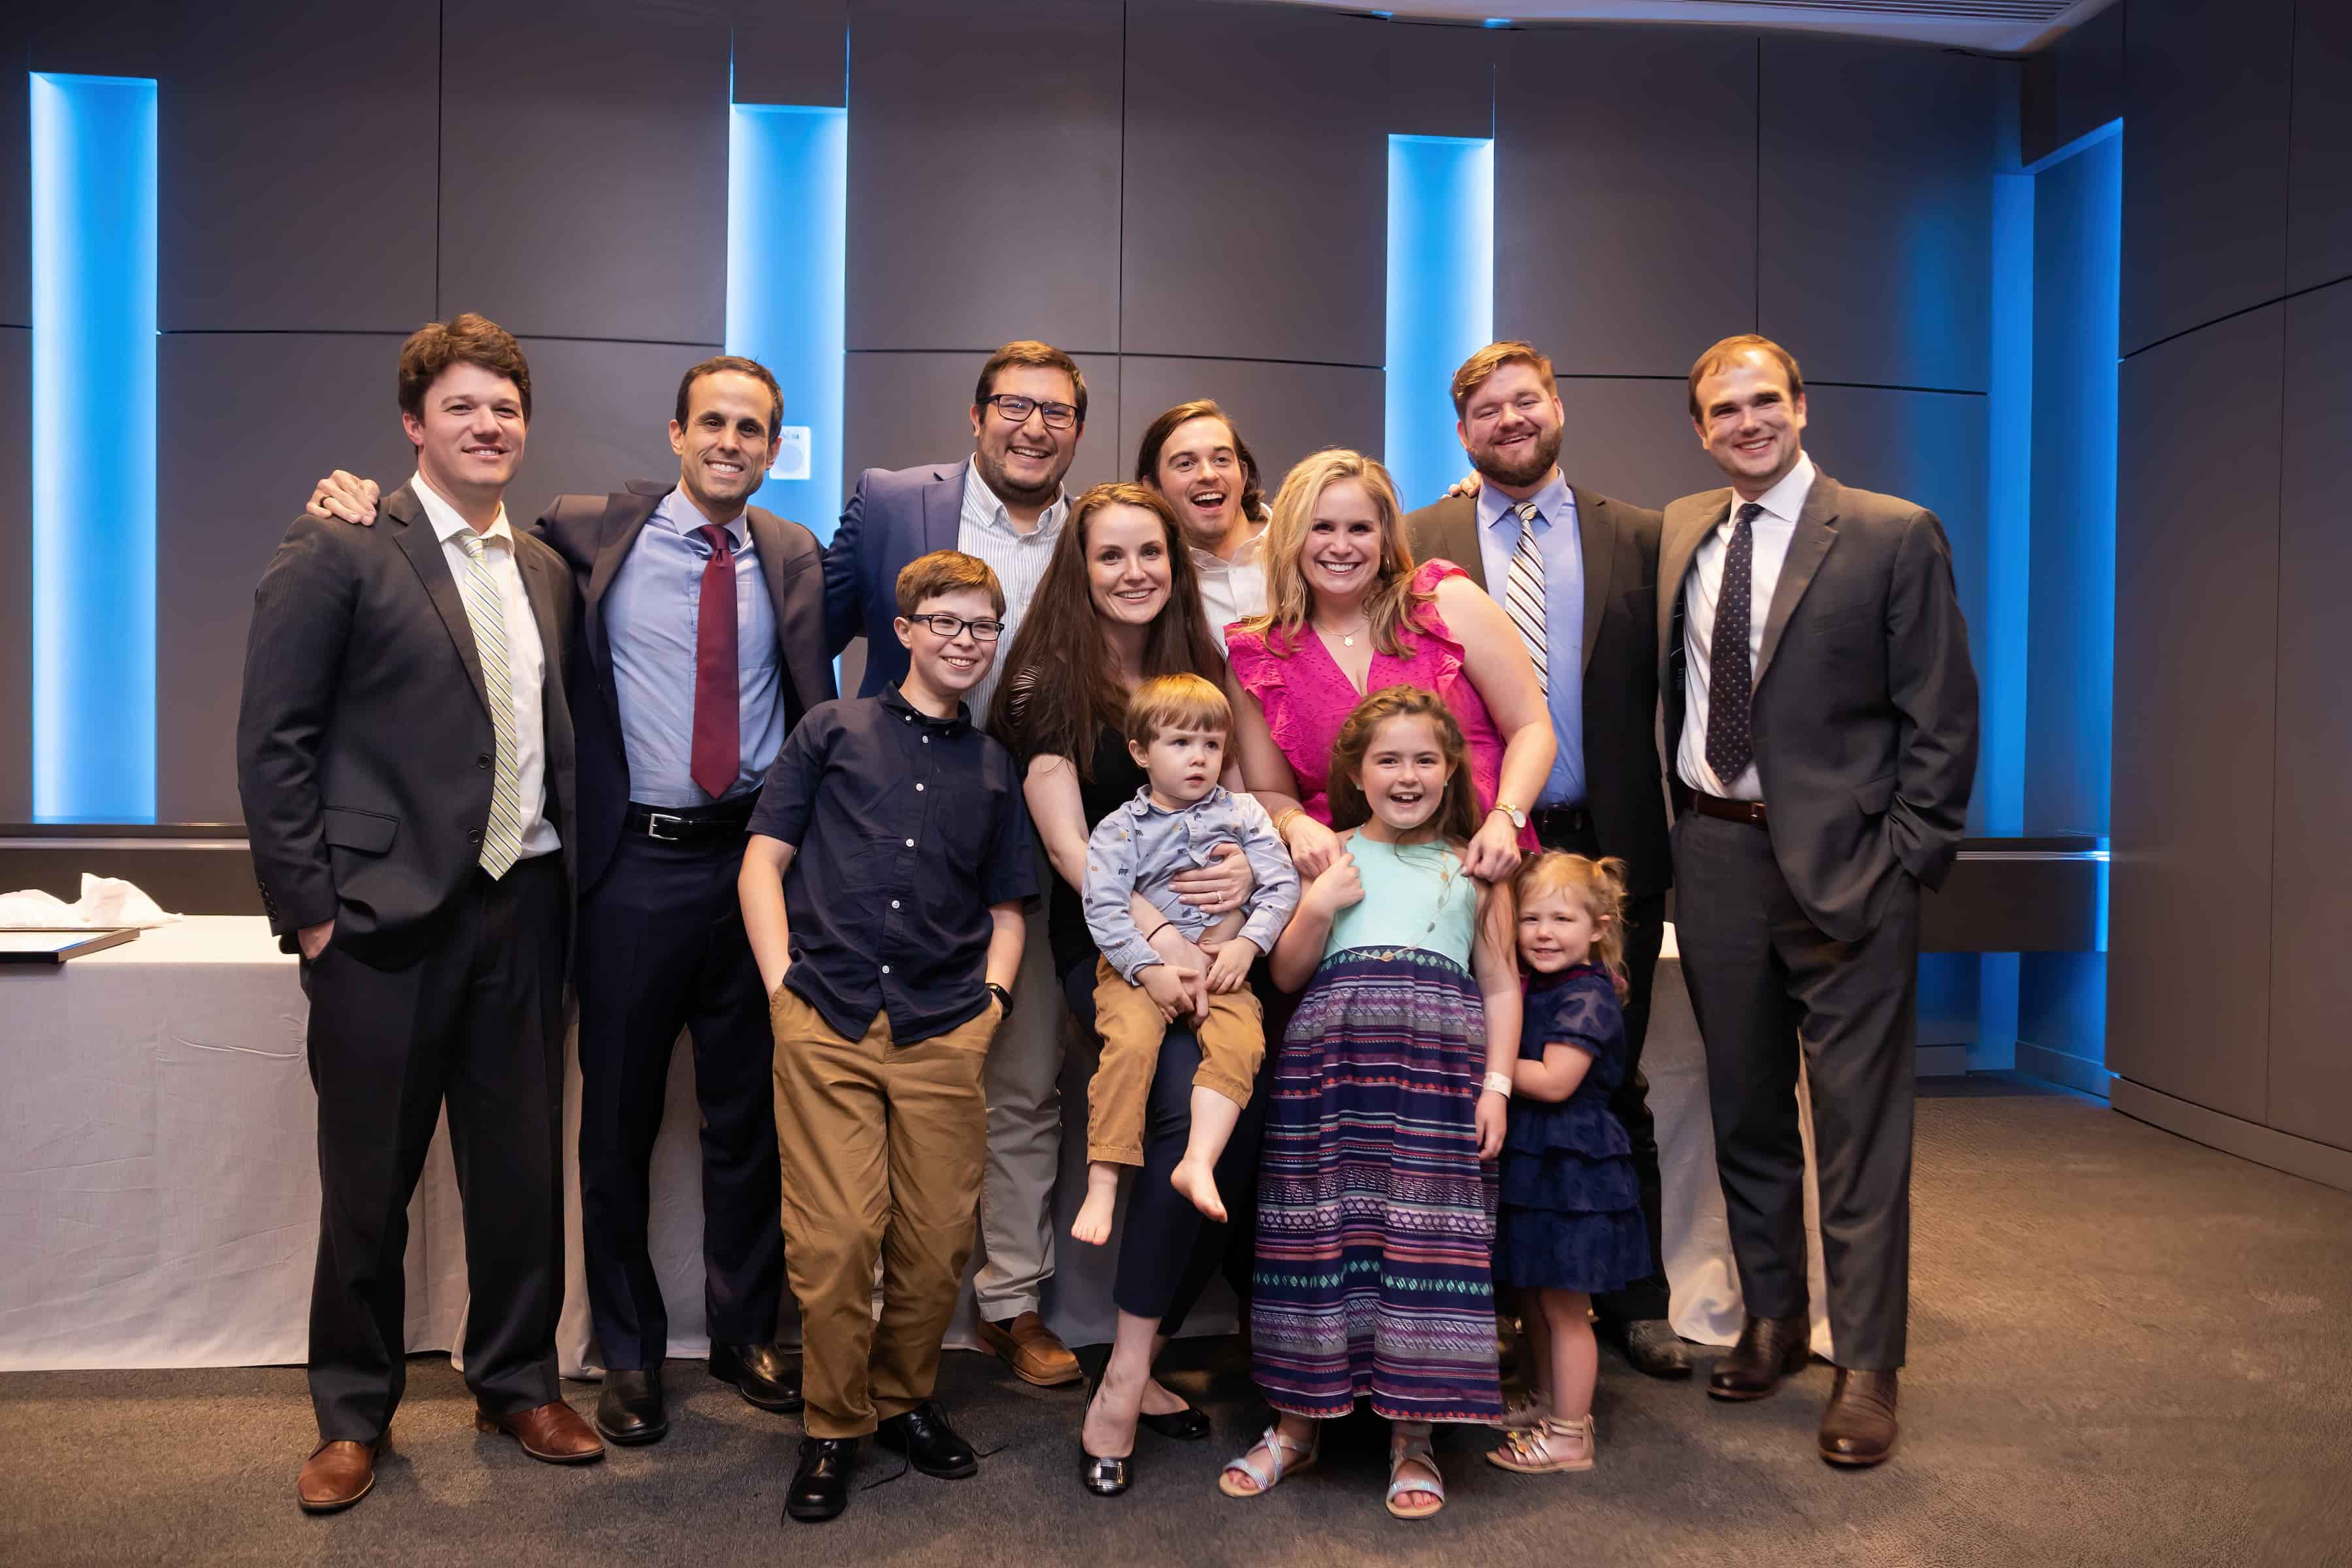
(881, 1146)
(1233, 1043)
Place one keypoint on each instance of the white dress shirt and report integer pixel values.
(1232, 590)
(986, 529)
(526, 660)
(1774, 527)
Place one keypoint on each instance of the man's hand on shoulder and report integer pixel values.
(343, 496)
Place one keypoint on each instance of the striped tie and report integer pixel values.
(1523, 594)
(502, 835)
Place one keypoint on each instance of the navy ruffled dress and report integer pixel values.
(1570, 1218)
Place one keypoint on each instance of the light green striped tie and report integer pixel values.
(502, 835)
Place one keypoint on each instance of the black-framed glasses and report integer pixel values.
(946, 628)
(1015, 409)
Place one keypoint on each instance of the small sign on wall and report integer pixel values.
(792, 454)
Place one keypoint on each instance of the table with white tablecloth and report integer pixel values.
(159, 1200)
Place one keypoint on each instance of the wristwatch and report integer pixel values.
(1004, 996)
(1519, 818)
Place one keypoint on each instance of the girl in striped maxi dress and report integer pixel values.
(1376, 1206)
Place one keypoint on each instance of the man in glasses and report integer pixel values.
(1005, 506)
(702, 645)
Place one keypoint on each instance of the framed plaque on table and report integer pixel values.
(53, 947)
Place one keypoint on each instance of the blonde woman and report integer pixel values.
(1349, 613)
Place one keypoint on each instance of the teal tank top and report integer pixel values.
(1416, 895)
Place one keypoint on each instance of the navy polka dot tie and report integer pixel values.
(1731, 683)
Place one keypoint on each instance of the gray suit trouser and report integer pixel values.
(1767, 982)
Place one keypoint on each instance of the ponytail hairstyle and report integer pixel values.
(1457, 815)
(1599, 886)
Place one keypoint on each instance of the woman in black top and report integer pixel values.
(1119, 605)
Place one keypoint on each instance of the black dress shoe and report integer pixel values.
(931, 1445)
(765, 1375)
(1186, 1426)
(1858, 1427)
(1770, 1350)
(630, 1409)
(1651, 1345)
(820, 1488)
(1103, 1475)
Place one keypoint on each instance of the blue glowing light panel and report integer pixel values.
(1440, 299)
(93, 187)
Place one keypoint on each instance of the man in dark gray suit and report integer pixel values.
(1586, 591)
(1821, 723)
(405, 758)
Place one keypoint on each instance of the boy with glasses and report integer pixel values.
(882, 892)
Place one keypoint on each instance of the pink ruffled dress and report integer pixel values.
(1306, 697)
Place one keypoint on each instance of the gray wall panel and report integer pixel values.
(600, 417)
(1441, 79)
(16, 574)
(1256, 219)
(983, 175)
(2311, 898)
(229, 484)
(2319, 170)
(2206, 133)
(15, 186)
(792, 51)
(133, 37)
(1874, 239)
(1632, 440)
(1284, 411)
(2074, 85)
(898, 410)
(320, 180)
(584, 170)
(2197, 584)
(1625, 170)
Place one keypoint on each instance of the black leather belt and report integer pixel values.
(1560, 823)
(1750, 812)
(709, 824)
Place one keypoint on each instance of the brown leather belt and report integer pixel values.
(1750, 812)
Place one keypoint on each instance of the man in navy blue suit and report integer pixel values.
(1005, 504)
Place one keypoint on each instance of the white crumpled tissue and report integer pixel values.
(107, 903)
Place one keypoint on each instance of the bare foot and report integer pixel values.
(1093, 1224)
(1197, 1180)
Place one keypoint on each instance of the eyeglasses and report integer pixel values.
(946, 628)
(1015, 410)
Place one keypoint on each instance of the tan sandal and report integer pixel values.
(1415, 1450)
(1279, 1464)
(1553, 1447)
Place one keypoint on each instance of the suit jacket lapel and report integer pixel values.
(1597, 535)
(1816, 531)
(416, 542)
(813, 679)
(539, 586)
(943, 508)
(625, 514)
(1456, 537)
(1674, 551)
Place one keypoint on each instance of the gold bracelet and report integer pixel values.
(1281, 823)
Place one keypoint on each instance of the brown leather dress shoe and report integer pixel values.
(337, 1474)
(1770, 1350)
(552, 1432)
(1032, 1351)
(1858, 1426)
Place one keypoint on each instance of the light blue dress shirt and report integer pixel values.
(653, 613)
(1562, 547)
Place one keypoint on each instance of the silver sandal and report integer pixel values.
(1270, 1476)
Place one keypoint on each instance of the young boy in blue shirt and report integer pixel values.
(882, 885)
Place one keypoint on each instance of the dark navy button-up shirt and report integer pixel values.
(905, 828)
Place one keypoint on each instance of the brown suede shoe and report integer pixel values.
(337, 1474)
(1770, 1350)
(553, 1432)
(1858, 1426)
(1031, 1350)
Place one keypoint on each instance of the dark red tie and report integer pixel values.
(717, 691)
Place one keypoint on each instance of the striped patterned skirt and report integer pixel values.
(1376, 1221)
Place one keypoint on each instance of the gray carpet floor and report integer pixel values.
(2125, 1349)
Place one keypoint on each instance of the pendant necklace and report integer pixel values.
(1347, 639)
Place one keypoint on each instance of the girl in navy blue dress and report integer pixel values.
(1569, 1225)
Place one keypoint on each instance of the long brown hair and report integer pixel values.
(1392, 605)
(1155, 441)
(1457, 815)
(1058, 693)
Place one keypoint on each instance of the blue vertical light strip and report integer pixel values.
(787, 259)
(93, 189)
(1441, 299)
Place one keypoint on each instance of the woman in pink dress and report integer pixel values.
(1347, 614)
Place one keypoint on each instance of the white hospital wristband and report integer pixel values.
(1500, 1083)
